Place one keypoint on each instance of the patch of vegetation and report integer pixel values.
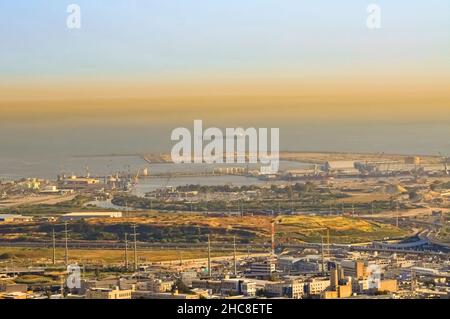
(6, 256)
(194, 228)
(35, 279)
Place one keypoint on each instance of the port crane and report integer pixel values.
(445, 161)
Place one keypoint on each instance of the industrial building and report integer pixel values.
(227, 286)
(262, 269)
(87, 215)
(293, 289)
(354, 269)
(108, 293)
(315, 286)
(8, 218)
(77, 183)
(308, 264)
(341, 168)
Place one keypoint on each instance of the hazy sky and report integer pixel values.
(150, 38)
(231, 62)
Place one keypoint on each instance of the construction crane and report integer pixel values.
(323, 244)
(445, 161)
(136, 177)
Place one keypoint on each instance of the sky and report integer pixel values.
(271, 63)
(153, 39)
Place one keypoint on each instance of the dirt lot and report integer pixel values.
(34, 199)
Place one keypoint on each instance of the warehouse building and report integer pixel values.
(87, 215)
(8, 218)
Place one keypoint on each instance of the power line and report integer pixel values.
(234, 255)
(66, 254)
(135, 248)
(54, 246)
(126, 251)
(209, 257)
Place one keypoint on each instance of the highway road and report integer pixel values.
(216, 246)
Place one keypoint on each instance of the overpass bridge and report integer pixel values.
(22, 271)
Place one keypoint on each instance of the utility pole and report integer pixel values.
(126, 251)
(323, 257)
(66, 255)
(272, 237)
(135, 248)
(234, 256)
(62, 287)
(396, 222)
(209, 257)
(328, 243)
(54, 246)
(13, 267)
